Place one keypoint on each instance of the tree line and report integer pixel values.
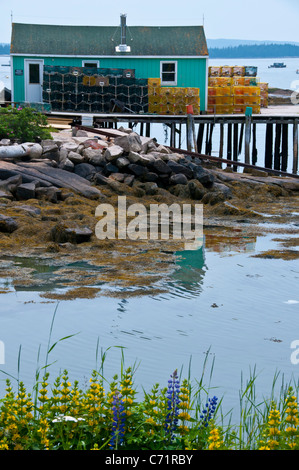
(255, 51)
(4, 49)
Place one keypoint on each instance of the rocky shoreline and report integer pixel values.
(49, 193)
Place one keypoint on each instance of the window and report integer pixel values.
(91, 63)
(34, 73)
(168, 73)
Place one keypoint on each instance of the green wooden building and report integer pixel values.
(177, 55)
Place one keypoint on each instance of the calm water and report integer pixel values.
(243, 310)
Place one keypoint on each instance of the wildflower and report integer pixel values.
(273, 432)
(208, 411)
(215, 440)
(173, 402)
(118, 425)
(291, 419)
(150, 406)
(184, 406)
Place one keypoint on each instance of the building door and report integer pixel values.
(33, 80)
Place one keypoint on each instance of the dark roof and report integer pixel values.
(101, 40)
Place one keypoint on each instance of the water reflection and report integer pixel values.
(187, 279)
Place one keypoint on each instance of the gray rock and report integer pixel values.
(26, 191)
(100, 179)
(64, 234)
(178, 178)
(181, 191)
(5, 142)
(97, 160)
(151, 177)
(150, 188)
(197, 190)
(6, 195)
(47, 175)
(89, 153)
(75, 157)
(162, 149)
(161, 167)
(147, 160)
(70, 146)
(81, 133)
(11, 183)
(7, 224)
(129, 143)
(113, 152)
(134, 157)
(51, 194)
(223, 189)
(138, 170)
(51, 150)
(110, 168)
(147, 144)
(85, 170)
(127, 130)
(29, 209)
(66, 164)
(35, 151)
(178, 168)
(129, 180)
(117, 177)
(122, 162)
(205, 177)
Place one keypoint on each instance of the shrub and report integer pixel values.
(23, 125)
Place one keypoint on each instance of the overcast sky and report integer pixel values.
(274, 20)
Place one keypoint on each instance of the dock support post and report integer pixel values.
(247, 138)
(269, 146)
(229, 142)
(141, 128)
(235, 147)
(254, 148)
(172, 134)
(221, 142)
(241, 138)
(200, 135)
(148, 129)
(284, 147)
(209, 139)
(295, 147)
(277, 147)
(189, 132)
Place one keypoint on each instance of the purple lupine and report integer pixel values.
(208, 411)
(118, 426)
(173, 402)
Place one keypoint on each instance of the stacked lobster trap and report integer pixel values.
(231, 89)
(94, 90)
(171, 100)
(106, 90)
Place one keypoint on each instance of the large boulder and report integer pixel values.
(129, 142)
(178, 168)
(178, 178)
(7, 224)
(113, 152)
(85, 170)
(70, 234)
(26, 191)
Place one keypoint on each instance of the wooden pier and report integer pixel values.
(237, 135)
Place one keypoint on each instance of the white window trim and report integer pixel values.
(91, 60)
(174, 83)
